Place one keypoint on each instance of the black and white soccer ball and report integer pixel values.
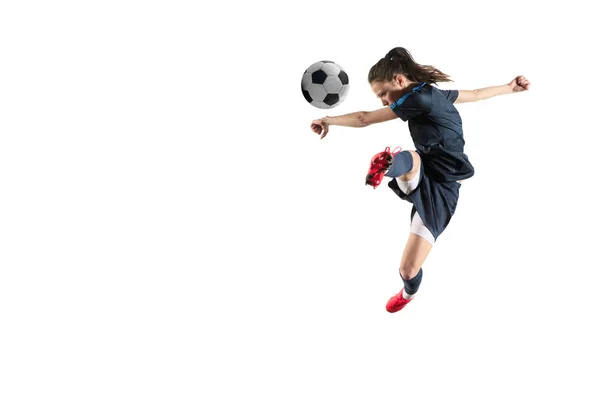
(325, 84)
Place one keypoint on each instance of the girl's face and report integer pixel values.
(390, 91)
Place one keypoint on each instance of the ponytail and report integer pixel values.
(399, 61)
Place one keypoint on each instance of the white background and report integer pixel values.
(170, 228)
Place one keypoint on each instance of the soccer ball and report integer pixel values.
(325, 84)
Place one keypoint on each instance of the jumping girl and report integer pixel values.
(430, 177)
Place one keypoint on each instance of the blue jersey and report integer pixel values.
(436, 129)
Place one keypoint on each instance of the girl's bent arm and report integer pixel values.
(519, 84)
(466, 96)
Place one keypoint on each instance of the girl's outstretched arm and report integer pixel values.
(518, 84)
(358, 119)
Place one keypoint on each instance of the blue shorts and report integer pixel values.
(434, 201)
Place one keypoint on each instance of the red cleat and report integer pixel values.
(380, 163)
(397, 302)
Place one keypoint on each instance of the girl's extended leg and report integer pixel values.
(416, 251)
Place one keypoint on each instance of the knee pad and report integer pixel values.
(403, 163)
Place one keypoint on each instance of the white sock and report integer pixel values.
(407, 296)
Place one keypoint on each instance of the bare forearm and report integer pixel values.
(353, 120)
(486, 93)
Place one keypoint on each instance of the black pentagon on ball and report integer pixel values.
(331, 99)
(307, 96)
(325, 61)
(319, 77)
(343, 77)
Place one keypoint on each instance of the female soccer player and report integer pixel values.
(429, 177)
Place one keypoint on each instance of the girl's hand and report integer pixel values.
(519, 84)
(320, 127)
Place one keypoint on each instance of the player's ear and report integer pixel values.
(399, 79)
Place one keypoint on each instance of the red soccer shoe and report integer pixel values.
(397, 302)
(380, 163)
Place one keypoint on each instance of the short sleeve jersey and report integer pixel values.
(436, 129)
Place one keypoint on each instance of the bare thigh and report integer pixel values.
(416, 251)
